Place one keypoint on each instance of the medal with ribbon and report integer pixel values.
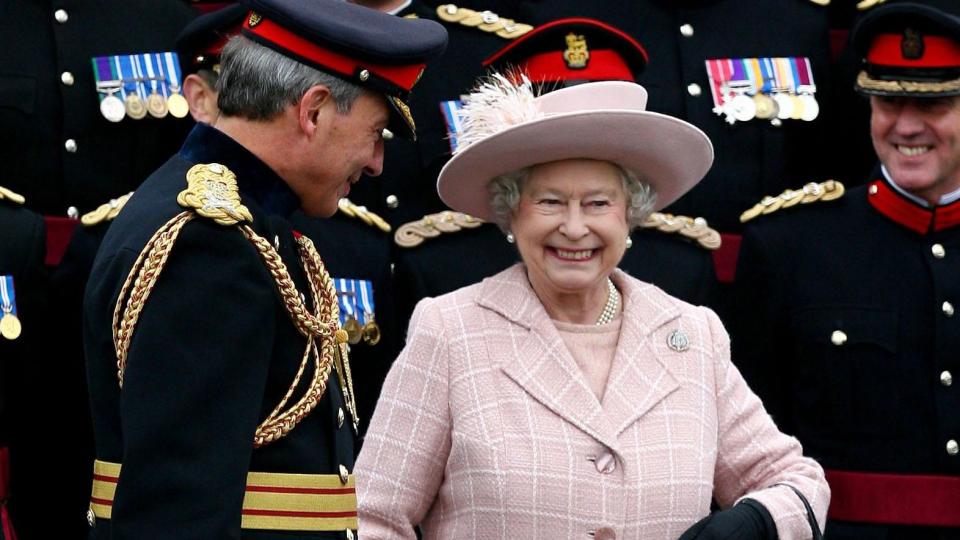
(156, 102)
(451, 115)
(9, 323)
(108, 83)
(371, 330)
(133, 93)
(176, 103)
(347, 298)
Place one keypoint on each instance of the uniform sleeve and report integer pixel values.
(401, 465)
(754, 459)
(193, 390)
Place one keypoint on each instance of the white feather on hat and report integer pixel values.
(494, 105)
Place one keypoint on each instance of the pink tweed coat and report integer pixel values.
(487, 429)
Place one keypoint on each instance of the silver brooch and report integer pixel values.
(678, 340)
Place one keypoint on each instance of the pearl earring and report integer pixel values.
(510, 238)
(629, 242)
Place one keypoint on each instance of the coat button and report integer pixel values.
(91, 518)
(605, 463)
(938, 251)
(686, 30)
(340, 417)
(947, 309)
(387, 134)
(873, 189)
(66, 78)
(70, 145)
(73, 213)
(603, 533)
(344, 475)
(952, 447)
(350, 535)
(946, 378)
(392, 202)
(60, 16)
(838, 337)
(694, 89)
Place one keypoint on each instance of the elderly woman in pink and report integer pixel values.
(563, 398)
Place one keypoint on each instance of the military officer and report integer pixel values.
(224, 407)
(444, 251)
(750, 76)
(22, 299)
(60, 151)
(406, 190)
(847, 326)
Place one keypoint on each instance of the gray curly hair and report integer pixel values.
(505, 196)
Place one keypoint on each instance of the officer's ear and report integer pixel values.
(316, 110)
(201, 97)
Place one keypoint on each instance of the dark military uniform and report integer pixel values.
(215, 350)
(22, 249)
(58, 150)
(407, 188)
(847, 332)
(753, 158)
(450, 261)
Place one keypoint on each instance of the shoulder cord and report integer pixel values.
(322, 324)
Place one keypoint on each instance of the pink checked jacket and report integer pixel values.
(486, 428)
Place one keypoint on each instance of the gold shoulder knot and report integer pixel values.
(106, 211)
(414, 233)
(212, 193)
(864, 5)
(7, 195)
(487, 21)
(692, 228)
(821, 2)
(811, 192)
(364, 215)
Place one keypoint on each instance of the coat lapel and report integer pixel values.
(639, 378)
(532, 354)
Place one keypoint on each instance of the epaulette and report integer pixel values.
(864, 5)
(487, 21)
(692, 228)
(105, 212)
(811, 192)
(414, 233)
(364, 215)
(7, 195)
(212, 192)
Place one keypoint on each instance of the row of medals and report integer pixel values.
(369, 333)
(114, 109)
(779, 106)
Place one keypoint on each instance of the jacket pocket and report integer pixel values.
(849, 368)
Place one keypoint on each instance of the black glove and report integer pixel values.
(748, 520)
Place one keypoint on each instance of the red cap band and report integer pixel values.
(604, 65)
(938, 52)
(402, 76)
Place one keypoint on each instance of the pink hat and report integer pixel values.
(506, 128)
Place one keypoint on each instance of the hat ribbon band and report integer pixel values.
(938, 51)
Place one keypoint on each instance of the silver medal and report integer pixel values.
(112, 108)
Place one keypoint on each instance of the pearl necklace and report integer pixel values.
(613, 303)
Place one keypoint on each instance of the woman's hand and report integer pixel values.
(748, 520)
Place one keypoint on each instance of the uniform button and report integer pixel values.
(873, 189)
(392, 202)
(66, 78)
(838, 337)
(952, 447)
(946, 378)
(344, 474)
(387, 134)
(686, 30)
(947, 309)
(70, 145)
(91, 518)
(61, 16)
(694, 89)
(938, 251)
(605, 463)
(350, 535)
(340, 417)
(73, 213)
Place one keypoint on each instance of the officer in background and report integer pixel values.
(22, 327)
(407, 189)
(63, 148)
(750, 75)
(227, 369)
(444, 251)
(847, 327)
